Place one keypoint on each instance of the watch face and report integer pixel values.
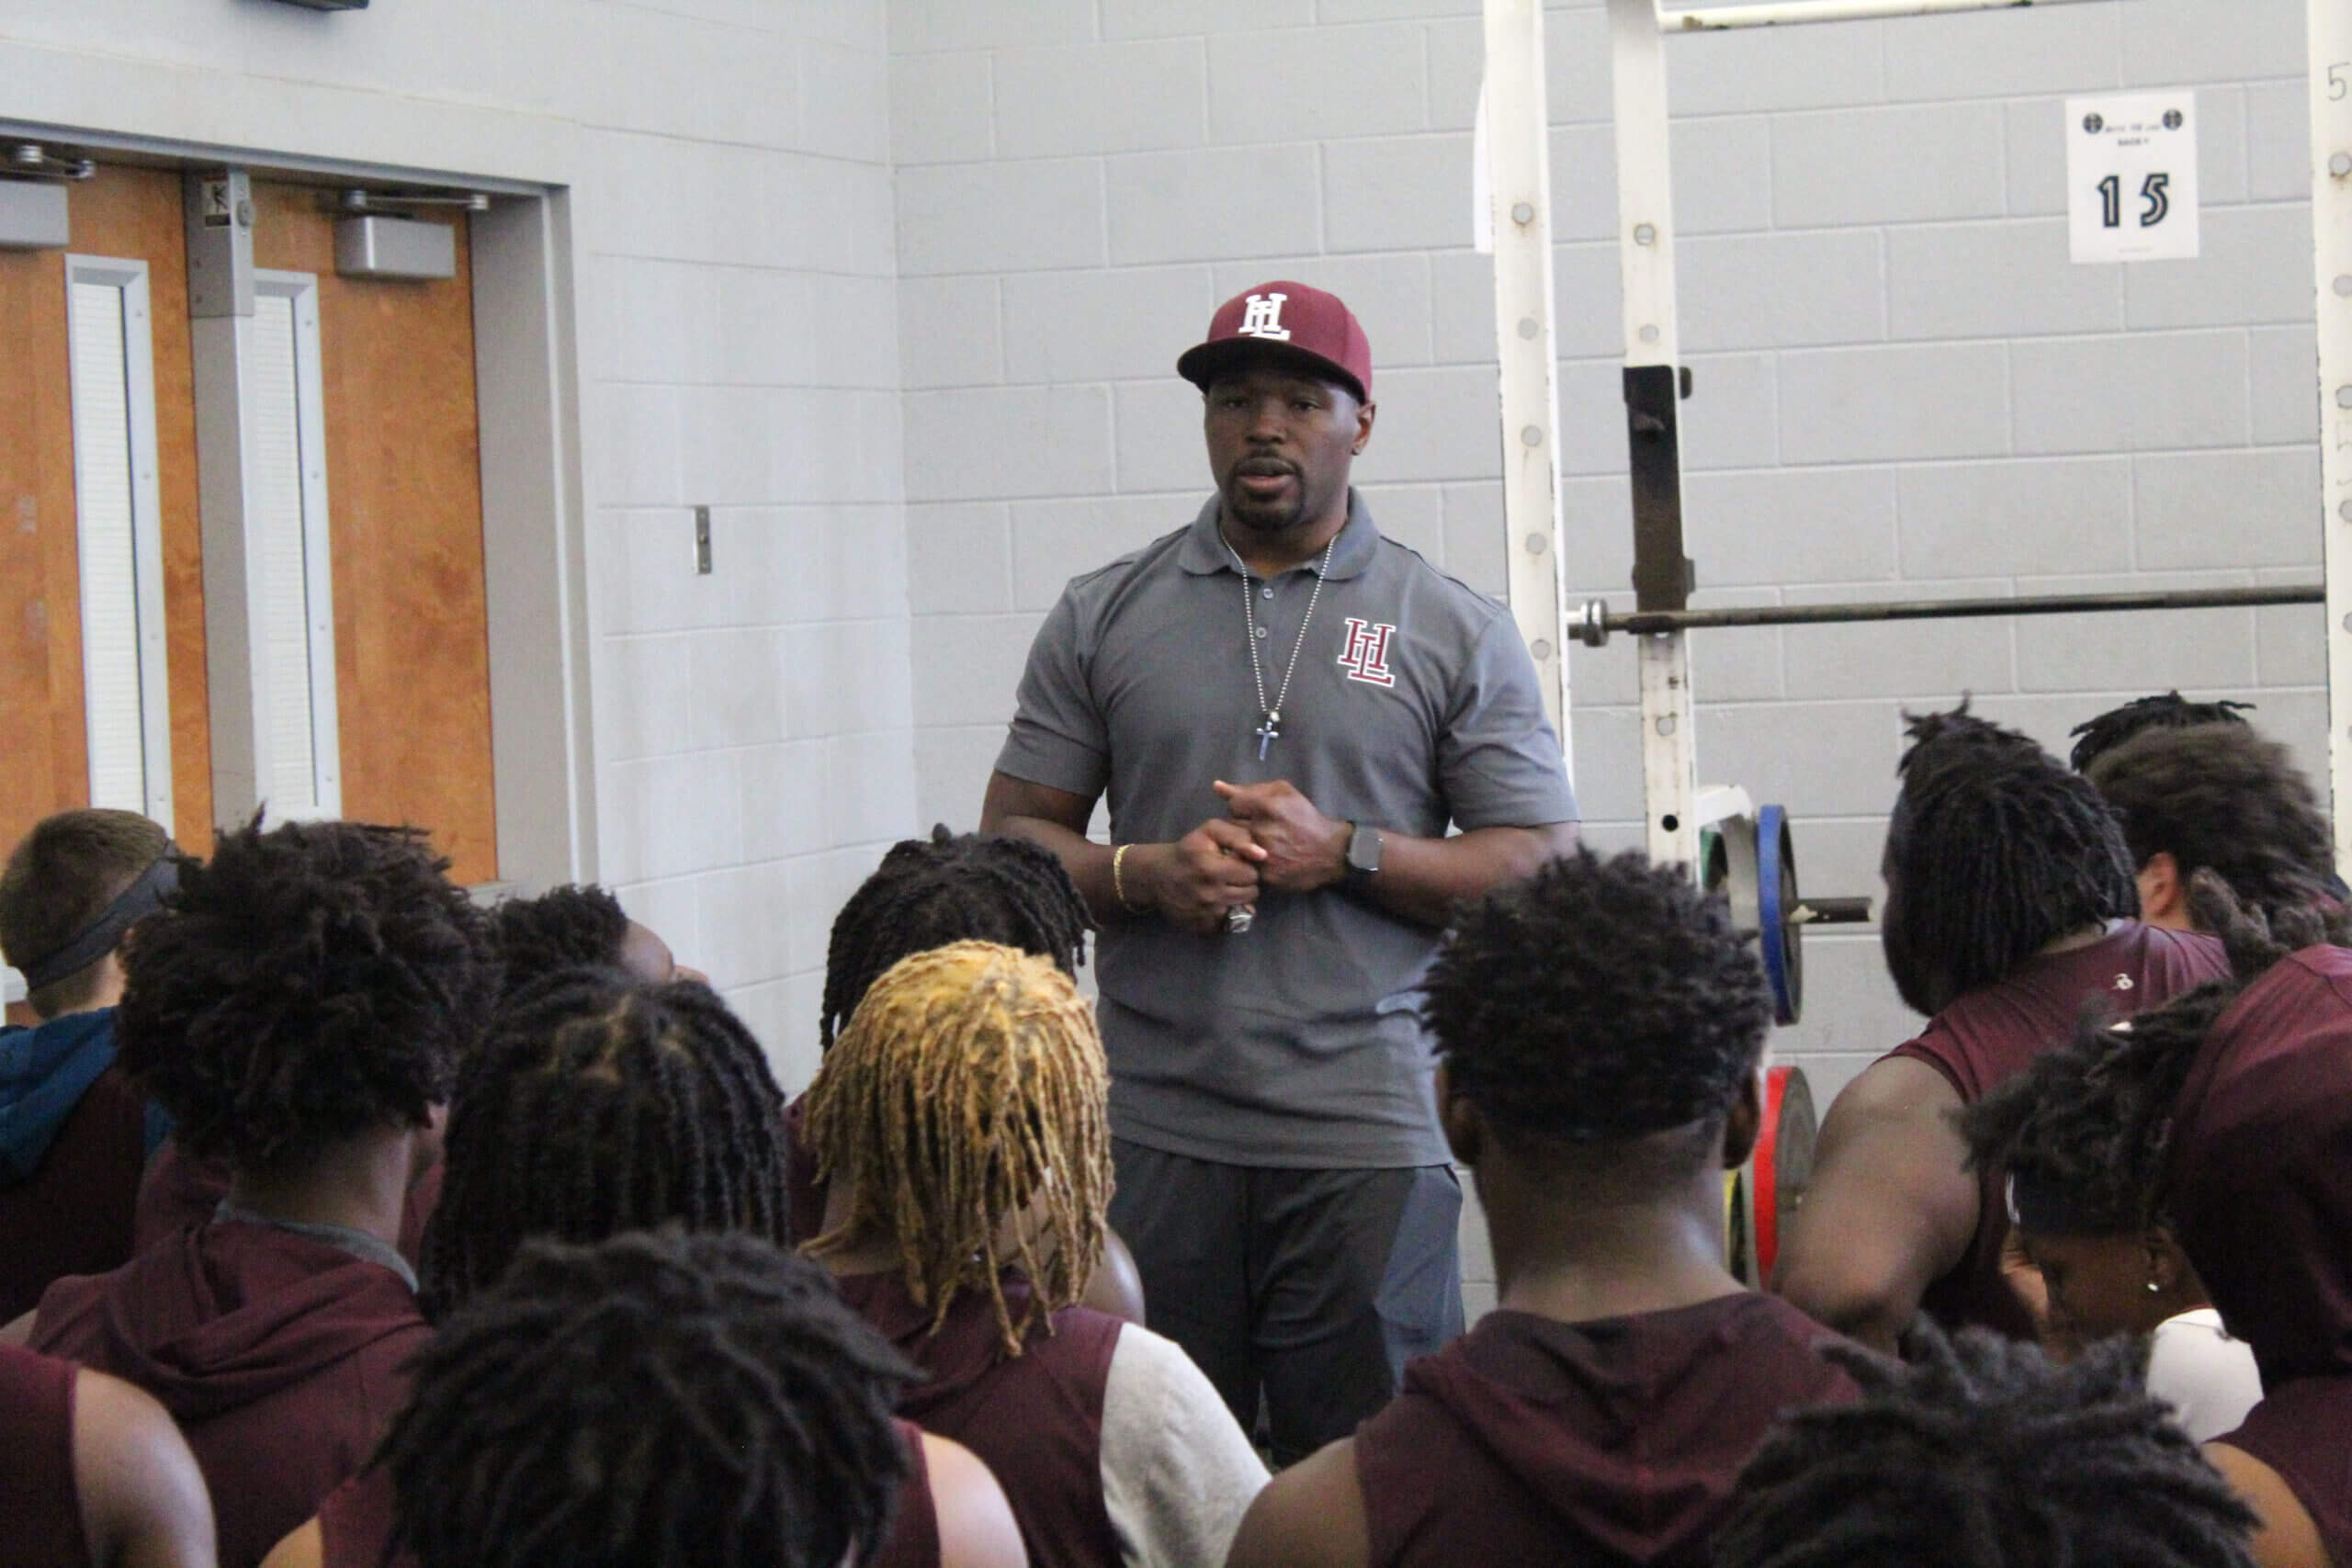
(1363, 851)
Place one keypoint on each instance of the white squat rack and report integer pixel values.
(1517, 130)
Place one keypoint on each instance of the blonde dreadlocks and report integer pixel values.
(970, 1087)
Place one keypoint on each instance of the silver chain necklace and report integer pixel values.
(1271, 730)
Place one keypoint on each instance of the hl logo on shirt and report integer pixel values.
(1264, 317)
(1366, 656)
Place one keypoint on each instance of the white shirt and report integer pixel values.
(1178, 1472)
(2208, 1378)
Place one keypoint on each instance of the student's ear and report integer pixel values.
(2168, 1267)
(1464, 1127)
(2164, 893)
(1744, 1121)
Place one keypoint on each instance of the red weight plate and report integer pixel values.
(1784, 1162)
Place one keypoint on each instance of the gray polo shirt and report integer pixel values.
(1299, 1043)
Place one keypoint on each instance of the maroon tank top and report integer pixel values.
(72, 1216)
(38, 1497)
(913, 1540)
(1992, 1034)
(1612, 1441)
(804, 1195)
(1034, 1419)
(355, 1523)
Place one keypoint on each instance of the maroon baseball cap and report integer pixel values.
(1293, 321)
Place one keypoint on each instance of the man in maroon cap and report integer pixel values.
(1281, 783)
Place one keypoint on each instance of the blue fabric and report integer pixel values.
(44, 1071)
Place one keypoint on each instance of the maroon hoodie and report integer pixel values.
(39, 1498)
(2259, 1186)
(1612, 1441)
(178, 1193)
(1994, 1032)
(1035, 1419)
(277, 1353)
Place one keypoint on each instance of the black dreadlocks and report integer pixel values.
(311, 983)
(598, 1105)
(660, 1400)
(1993, 852)
(1982, 1454)
(564, 928)
(2167, 710)
(2220, 795)
(950, 887)
(2072, 1124)
(1598, 999)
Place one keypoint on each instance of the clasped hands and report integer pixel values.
(1272, 839)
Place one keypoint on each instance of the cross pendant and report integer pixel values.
(1267, 733)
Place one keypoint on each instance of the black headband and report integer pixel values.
(103, 935)
(2044, 1208)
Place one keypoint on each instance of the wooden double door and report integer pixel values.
(403, 522)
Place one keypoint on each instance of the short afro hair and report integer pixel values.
(1993, 852)
(599, 1104)
(2166, 710)
(59, 878)
(659, 1401)
(1598, 999)
(313, 982)
(564, 928)
(950, 887)
(2224, 798)
(1983, 1454)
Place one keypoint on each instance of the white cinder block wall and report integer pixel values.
(732, 263)
(1904, 388)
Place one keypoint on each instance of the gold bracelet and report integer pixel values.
(1118, 879)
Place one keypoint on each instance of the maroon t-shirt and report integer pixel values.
(1992, 1034)
(1533, 1440)
(277, 1353)
(1034, 1419)
(2258, 1183)
(72, 1216)
(356, 1521)
(39, 1499)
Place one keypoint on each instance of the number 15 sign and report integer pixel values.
(2132, 177)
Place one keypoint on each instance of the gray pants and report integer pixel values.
(1309, 1288)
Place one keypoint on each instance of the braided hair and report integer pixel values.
(658, 1401)
(1993, 852)
(969, 1084)
(597, 1105)
(951, 887)
(564, 928)
(2075, 1126)
(2220, 795)
(2166, 710)
(311, 984)
(1598, 999)
(1980, 1453)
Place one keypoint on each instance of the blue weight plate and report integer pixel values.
(1776, 896)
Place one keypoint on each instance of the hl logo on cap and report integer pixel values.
(1264, 317)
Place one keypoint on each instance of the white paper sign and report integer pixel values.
(2132, 177)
